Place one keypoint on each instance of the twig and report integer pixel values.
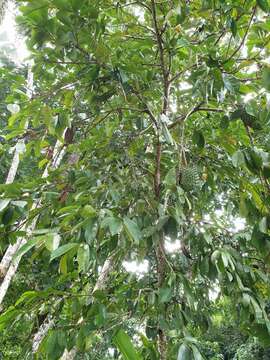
(244, 37)
(197, 108)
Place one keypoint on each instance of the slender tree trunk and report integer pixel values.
(20, 144)
(19, 148)
(69, 355)
(8, 275)
(48, 323)
(104, 273)
(3, 7)
(42, 331)
(160, 256)
(160, 253)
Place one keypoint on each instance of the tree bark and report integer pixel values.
(48, 324)
(160, 253)
(7, 267)
(11, 250)
(42, 332)
(69, 355)
(3, 7)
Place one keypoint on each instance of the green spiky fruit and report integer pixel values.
(190, 178)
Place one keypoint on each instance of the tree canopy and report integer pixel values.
(143, 138)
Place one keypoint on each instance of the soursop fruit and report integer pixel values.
(190, 178)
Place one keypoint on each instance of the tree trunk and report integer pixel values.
(69, 355)
(7, 267)
(42, 332)
(20, 144)
(11, 250)
(48, 323)
(3, 7)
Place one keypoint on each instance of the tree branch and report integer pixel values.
(165, 72)
(244, 37)
(197, 108)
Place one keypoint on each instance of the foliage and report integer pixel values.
(162, 110)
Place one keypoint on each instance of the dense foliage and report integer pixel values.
(158, 114)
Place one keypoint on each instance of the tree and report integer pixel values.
(3, 6)
(161, 111)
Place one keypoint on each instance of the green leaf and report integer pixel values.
(63, 265)
(253, 160)
(28, 246)
(7, 215)
(88, 211)
(62, 250)
(167, 135)
(165, 295)
(224, 122)
(266, 78)
(83, 257)
(263, 225)
(198, 139)
(231, 83)
(125, 346)
(8, 316)
(264, 5)
(114, 224)
(52, 241)
(62, 4)
(51, 346)
(170, 178)
(233, 27)
(27, 296)
(238, 158)
(132, 230)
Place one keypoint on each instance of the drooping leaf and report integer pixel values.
(28, 246)
(62, 250)
(83, 257)
(125, 346)
(132, 230)
(266, 78)
(198, 139)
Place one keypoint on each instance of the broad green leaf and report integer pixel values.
(26, 297)
(253, 160)
(165, 295)
(198, 139)
(83, 257)
(88, 211)
(8, 316)
(125, 346)
(7, 215)
(52, 241)
(263, 225)
(37, 240)
(170, 178)
(167, 135)
(114, 224)
(132, 230)
(62, 250)
(51, 346)
(266, 77)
